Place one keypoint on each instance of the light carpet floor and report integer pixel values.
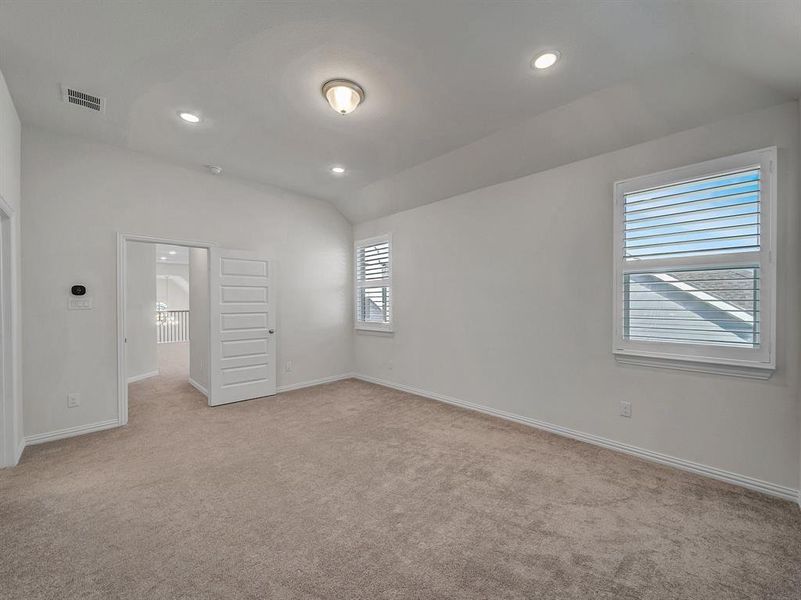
(351, 490)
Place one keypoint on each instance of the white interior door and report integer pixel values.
(242, 333)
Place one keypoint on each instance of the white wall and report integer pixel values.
(199, 316)
(78, 194)
(142, 352)
(503, 298)
(10, 192)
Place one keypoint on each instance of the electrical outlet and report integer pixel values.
(288, 366)
(625, 409)
(73, 400)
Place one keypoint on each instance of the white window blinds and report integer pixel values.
(710, 306)
(373, 269)
(712, 215)
(694, 268)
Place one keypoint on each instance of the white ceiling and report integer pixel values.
(172, 255)
(451, 102)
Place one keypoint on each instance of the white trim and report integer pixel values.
(313, 382)
(379, 327)
(10, 350)
(766, 487)
(122, 239)
(375, 332)
(640, 359)
(143, 376)
(20, 450)
(60, 434)
(199, 387)
(744, 362)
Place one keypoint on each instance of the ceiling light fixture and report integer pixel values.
(343, 95)
(545, 60)
(338, 170)
(163, 257)
(172, 252)
(189, 117)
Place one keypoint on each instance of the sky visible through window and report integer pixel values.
(713, 215)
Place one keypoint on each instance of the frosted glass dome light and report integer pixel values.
(343, 95)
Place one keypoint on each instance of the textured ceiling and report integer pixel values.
(451, 104)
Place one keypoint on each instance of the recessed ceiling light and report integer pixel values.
(338, 170)
(172, 252)
(343, 95)
(189, 117)
(163, 257)
(545, 60)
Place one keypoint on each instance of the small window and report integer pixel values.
(373, 271)
(695, 266)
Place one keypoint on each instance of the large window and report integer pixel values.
(695, 266)
(373, 270)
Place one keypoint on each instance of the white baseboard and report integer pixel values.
(771, 489)
(19, 451)
(313, 382)
(147, 375)
(199, 387)
(50, 436)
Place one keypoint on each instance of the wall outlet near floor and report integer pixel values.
(288, 366)
(625, 409)
(73, 400)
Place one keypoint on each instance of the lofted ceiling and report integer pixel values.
(451, 102)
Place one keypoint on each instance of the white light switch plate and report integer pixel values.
(81, 303)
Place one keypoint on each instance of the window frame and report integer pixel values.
(748, 362)
(358, 324)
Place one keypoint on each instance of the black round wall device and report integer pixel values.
(78, 290)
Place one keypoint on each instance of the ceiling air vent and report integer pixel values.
(72, 96)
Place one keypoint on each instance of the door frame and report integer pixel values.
(10, 349)
(122, 240)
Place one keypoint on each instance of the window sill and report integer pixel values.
(749, 372)
(373, 330)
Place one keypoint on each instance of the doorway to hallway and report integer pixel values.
(166, 321)
(232, 319)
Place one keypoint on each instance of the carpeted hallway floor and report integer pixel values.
(351, 490)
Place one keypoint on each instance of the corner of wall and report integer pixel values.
(10, 190)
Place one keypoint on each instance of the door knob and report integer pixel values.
(272, 330)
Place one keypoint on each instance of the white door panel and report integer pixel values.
(242, 311)
(243, 322)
